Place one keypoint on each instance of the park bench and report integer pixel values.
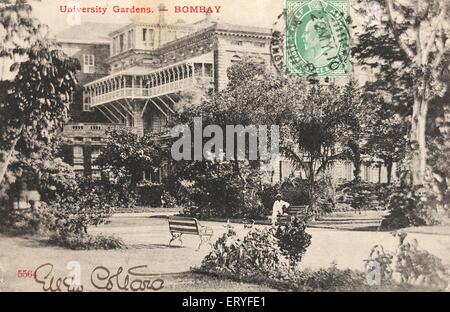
(190, 226)
(293, 211)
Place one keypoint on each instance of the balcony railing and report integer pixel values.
(140, 92)
(146, 85)
(88, 130)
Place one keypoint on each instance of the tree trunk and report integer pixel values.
(7, 160)
(389, 165)
(311, 179)
(418, 140)
(356, 160)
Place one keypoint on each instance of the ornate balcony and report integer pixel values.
(142, 98)
(87, 132)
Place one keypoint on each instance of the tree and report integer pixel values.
(357, 119)
(418, 32)
(253, 97)
(387, 133)
(127, 156)
(35, 102)
(318, 130)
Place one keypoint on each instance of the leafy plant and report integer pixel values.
(364, 195)
(78, 209)
(293, 239)
(256, 255)
(411, 207)
(86, 241)
(411, 266)
(22, 222)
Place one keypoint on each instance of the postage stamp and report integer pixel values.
(317, 38)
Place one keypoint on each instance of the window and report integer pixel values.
(144, 34)
(78, 155)
(88, 63)
(148, 36)
(86, 103)
(208, 70)
(95, 153)
(131, 39)
(121, 42)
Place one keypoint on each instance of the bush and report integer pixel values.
(410, 266)
(329, 279)
(364, 195)
(86, 241)
(22, 222)
(262, 252)
(168, 200)
(256, 255)
(149, 194)
(293, 240)
(217, 191)
(411, 207)
(78, 209)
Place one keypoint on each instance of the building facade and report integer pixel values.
(132, 75)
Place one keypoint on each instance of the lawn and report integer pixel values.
(147, 239)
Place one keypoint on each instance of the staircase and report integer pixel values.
(366, 221)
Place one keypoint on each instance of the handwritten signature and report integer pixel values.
(132, 279)
(101, 278)
(43, 275)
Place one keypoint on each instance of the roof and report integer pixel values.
(88, 32)
(243, 28)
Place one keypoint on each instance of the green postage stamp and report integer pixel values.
(317, 38)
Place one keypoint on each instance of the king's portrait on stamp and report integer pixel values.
(317, 38)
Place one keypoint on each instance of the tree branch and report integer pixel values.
(403, 46)
(428, 46)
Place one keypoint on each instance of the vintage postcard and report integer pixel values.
(224, 146)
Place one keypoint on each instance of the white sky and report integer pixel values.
(261, 13)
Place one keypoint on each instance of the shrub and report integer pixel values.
(22, 222)
(168, 200)
(410, 266)
(256, 255)
(221, 193)
(85, 241)
(293, 240)
(411, 207)
(78, 209)
(364, 195)
(262, 252)
(329, 279)
(149, 194)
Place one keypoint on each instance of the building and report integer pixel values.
(132, 74)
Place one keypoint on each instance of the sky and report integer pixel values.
(261, 13)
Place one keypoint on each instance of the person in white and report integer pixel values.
(278, 208)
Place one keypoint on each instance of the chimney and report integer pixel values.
(162, 14)
(207, 16)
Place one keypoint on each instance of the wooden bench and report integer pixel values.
(183, 225)
(293, 211)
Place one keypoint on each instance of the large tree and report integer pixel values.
(36, 89)
(127, 156)
(414, 46)
(319, 129)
